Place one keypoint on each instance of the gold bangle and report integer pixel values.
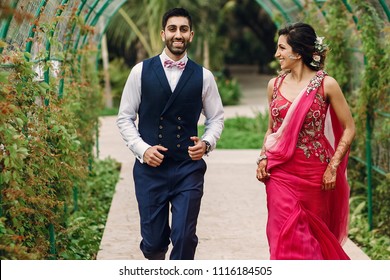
(260, 158)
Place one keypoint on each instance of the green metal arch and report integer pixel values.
(95, 19)
(108, 22)
(271, 7)
(31, 32)
(5, 26)
(79, 9)
(48, 44)
(85, 20)
(281, 10)
(385, 9)
(276, 6)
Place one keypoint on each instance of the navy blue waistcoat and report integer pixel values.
(170, 118)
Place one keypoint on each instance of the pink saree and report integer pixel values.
(305, 222)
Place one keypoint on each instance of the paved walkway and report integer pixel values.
(233, 214)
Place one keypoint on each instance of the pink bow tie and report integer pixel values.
(170, 63)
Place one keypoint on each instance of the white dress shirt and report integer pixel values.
(131, 99)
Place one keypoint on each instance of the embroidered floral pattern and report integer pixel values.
(311, 138)
(316, 81)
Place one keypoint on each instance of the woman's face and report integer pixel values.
(284, 53)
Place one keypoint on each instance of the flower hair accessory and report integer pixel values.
(319, 47)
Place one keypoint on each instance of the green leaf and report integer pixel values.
(23, 151)
(27, 55)
(20, 122)
(44, 85)
(4, 77)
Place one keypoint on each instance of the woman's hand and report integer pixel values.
(261, 173)
(329, 178)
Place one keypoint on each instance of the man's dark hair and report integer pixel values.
(176, 12)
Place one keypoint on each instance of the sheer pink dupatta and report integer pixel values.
(280, 147)
(339, 202)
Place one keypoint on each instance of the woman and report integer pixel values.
(304, 157)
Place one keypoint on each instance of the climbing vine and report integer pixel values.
(46, 141)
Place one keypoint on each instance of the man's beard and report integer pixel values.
(176, 51)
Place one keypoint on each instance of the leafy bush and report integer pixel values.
(373, 242)
(46, 140)
(41, 157)
(119, 71)
(84, 231)
(229, 89)
(242, 132)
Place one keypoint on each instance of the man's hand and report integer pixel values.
(153, 157)
(197, 151)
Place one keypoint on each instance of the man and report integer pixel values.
(168, 92)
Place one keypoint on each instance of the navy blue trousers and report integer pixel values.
(177, 185)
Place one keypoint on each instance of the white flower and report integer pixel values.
(316, 57)
(2, 149)
(319, 44)
(319, 40)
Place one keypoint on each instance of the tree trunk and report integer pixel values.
(206, 54)
(107, 85)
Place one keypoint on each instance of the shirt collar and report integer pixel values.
(164, 56)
